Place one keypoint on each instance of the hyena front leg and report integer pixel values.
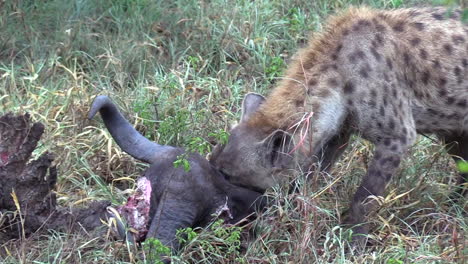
(457, 146)
(326, 157)
(332, 151)
(330, 134)
(387, 156)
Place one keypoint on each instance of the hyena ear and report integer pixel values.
(250, 105)
(278, 149)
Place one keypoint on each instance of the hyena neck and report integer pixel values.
(284, 106)
(282, 109)
(262, 123)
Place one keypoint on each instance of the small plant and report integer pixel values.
(221, 136)
(198, 144)
(220, 240)
(154, 249)
(172, 126)
(182, 161)
(444, 2)
(142, 107)
(295, 19)
(186, 235)
(194, 62)
(394, 261)
(274, 69)
(463, 166)
(465, 15)
(230, 235)
(396, 3)
(195, 144)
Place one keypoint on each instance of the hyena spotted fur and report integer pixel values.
(384, 75)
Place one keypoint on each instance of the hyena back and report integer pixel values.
(385, 75)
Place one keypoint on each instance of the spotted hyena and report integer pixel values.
(384, 75)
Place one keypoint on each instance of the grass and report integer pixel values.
(179, 70)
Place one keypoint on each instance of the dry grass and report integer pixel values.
(179, 70)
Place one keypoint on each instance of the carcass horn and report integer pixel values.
(126, 136)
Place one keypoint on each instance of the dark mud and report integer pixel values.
(26, 186)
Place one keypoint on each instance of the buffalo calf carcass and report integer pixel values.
(169, 198)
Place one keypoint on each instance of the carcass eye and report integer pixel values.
(226, 176)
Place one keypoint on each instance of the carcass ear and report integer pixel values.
(250, 105)
(277, 149)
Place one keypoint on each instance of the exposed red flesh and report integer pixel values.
(136, 210)
(4, 157)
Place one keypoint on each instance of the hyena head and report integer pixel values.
(263, 156)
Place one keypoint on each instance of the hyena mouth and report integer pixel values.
(252, 188)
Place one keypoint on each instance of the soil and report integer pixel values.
(32, 182)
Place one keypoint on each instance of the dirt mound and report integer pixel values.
(27, 200)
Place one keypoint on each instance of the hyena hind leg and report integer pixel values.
(457, 146)
(385, 161)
